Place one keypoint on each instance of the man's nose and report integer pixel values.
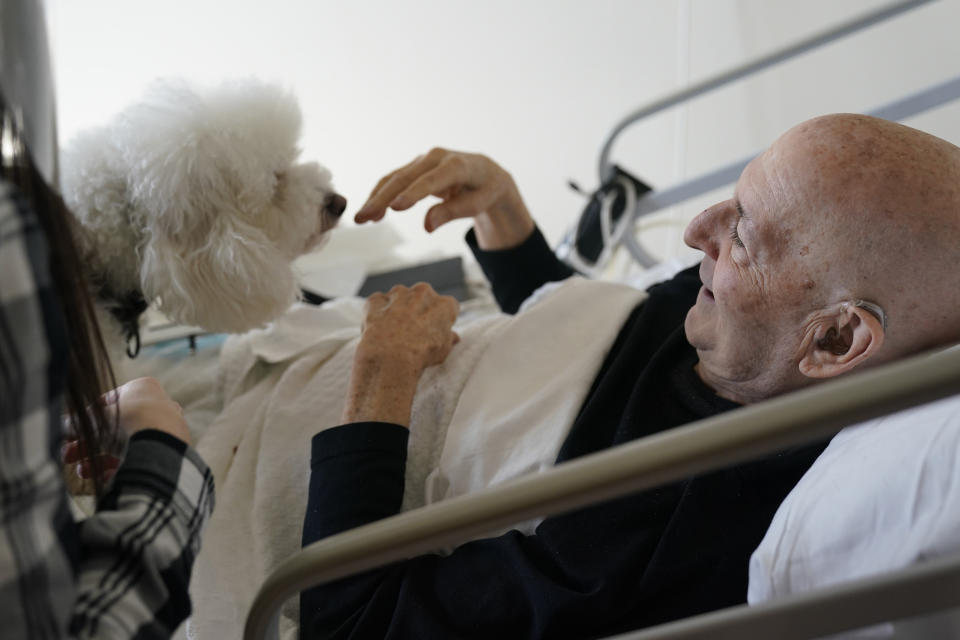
(705, 231)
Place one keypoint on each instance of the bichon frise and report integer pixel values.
(194, 198)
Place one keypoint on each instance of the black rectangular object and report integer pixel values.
(445, 276)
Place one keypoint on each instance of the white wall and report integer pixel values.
(536, 85)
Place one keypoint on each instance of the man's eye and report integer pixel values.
(735, 236)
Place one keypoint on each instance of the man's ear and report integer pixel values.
(841, 341)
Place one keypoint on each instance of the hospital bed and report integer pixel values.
(803, 416)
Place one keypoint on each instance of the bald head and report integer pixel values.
(840, 212)
(884, 202)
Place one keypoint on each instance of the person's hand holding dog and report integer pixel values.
(404, 332)
(469, 185)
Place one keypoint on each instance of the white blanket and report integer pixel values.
(498, 408)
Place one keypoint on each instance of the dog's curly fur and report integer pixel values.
(194, 198)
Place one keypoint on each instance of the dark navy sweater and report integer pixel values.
(658, 555)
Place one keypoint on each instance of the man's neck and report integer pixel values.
(738, 391)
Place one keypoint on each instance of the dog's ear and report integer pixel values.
(222, 275)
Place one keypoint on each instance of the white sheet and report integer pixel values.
(284, 383)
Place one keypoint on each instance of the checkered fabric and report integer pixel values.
(124, 571)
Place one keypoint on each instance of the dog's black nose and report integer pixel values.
(335, 204)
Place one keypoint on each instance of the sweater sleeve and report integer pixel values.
(517, 272)
(562, 581)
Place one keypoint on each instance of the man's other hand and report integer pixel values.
(405, 331)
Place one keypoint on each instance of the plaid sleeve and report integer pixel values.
(123, 572)
(138, 549)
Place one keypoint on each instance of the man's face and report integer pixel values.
(749, 316)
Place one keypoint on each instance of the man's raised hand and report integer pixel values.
(469, 185)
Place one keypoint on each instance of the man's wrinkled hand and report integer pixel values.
(469, 185)
(409, 325)
(404, 332)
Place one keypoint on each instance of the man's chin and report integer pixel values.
(695, 328)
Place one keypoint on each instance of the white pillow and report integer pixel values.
(883, 495)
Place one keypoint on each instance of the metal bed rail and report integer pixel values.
(745, 433)
(885, 12)
(914, 104)
(615, 234)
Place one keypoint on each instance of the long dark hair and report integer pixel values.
(89, 373)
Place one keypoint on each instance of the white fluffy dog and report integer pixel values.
(194, 198)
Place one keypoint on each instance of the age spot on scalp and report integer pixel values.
(804, 250)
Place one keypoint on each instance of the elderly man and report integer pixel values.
(834, 253)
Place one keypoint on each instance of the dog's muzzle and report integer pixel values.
(334, 205)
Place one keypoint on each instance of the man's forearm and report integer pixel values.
(381, 390)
